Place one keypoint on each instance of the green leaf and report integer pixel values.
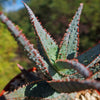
(33, 54)
(36, 90)
(94, 62)
(74, 85)
(96, 76)
(69, 44)
(90, 57)
(61, 65)
(94, 67)
(47, 42)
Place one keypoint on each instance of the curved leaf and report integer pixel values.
(72, 64)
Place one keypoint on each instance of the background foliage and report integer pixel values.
(55, 16)
(8, 60)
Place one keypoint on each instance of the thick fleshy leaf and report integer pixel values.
(94, 62)
(47, 42)
(72, 64)
(70, 42)
(94, 66)
(41, 89)
(28, 75)
(90, 57)
(74, 85)
(96, 76)
(36, 91)
(32, 52)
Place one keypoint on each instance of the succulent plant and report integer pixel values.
(60, 73)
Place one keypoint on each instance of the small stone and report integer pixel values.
(82, 97)
(87, 95)
(93, 98)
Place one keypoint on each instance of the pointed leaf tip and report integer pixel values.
(81, 4)
(49, 45)
(22, 2)
(20, 67)
(32, 53)
(70, 43)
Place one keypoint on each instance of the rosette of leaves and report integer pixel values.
(60, 73)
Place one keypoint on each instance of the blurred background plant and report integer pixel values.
(55, 16)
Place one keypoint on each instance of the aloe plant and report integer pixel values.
(60, 73)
